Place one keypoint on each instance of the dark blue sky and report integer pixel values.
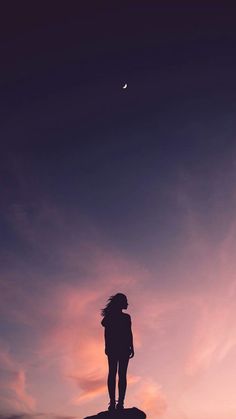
(71, 135)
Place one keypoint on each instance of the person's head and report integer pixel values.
(115, 304)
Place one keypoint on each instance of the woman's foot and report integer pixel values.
(120, 406)
(111, 406)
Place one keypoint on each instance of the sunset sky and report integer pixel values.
(107, 190)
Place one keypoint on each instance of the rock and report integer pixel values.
(132, 413)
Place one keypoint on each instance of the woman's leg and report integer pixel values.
(111, 380)
(122, 372)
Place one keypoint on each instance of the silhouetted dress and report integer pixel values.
(118, 334)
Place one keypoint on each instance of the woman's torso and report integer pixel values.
(117, 333)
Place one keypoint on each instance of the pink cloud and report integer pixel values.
(151, 398)
(214, 334)
(14, 394)
(64, 316)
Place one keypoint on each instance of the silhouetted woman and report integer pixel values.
(118, 346)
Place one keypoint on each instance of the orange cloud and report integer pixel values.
(91, 385)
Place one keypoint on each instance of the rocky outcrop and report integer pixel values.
(132, 413)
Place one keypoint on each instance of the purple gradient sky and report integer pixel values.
(104, 191)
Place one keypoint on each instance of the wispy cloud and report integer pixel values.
(151, 398)
(14, 394)
(61, 312)
(35, 416)
(214, 334)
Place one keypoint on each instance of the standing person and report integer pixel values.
(118, 346)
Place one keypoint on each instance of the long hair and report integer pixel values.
(113, 303)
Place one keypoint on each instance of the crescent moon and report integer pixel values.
(125, 86)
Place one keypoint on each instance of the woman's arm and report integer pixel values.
(131, 341)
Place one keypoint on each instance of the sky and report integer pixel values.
(107, 190)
